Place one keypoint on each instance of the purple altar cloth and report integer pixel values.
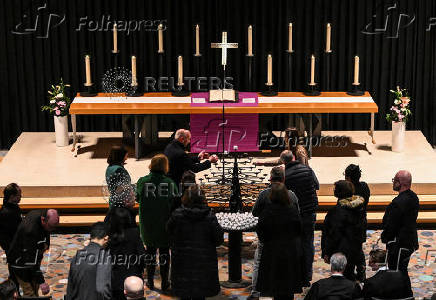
(240, 129)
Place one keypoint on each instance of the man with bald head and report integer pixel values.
(27, 249)
(134, 288)
(399, 223)
(180, 161)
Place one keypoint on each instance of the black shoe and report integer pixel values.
(252, 297)
(165, 286)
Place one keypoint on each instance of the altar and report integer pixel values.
(163, 103)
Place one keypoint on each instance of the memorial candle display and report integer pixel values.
(160, 36)
(197, 40)
(180, 68)
(290, 38)
(115, 32)
(134, 78)
(356, 70)
(250, 40)
(269, 73)
(88, 70)
(312, 70)
(328, 38)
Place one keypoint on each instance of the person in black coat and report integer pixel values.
(336, 287)
(90, 269)
(399, 223)
(194, 235)
(10, 215)
(126, 249)
(180, 161)
(352, 174)
(27, 249)
(279, 230)
(343, 227)
(385, 284)
(10, 219)
(302, 181)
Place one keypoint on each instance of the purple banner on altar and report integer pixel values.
(245, 99)
(240, 130)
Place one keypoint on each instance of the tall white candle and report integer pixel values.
(312, 70)
(269, 74)
(197, 40)
(356, 70)
(250, 40)
(328, 38)
(180, 68)
(290, 37)
(160, 36)
(88, 70)
(115, 33)
(134, 78)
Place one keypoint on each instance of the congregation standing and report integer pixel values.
(179, 233)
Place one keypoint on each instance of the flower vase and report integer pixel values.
(61, 131)
(398, 136)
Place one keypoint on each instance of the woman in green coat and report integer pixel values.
(155, 194)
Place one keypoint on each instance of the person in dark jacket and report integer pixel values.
(180, 161)
(10, 215)
(90, 269)
(279, 230)
(127, 250)
(27, 249)
(336, 287)
(10, 219)
(117, 177)
(302, 181)
(352, 174)
(194, 235)
(155, 194)
(399, 223)
(188, 180)
(277, 175)
(385, 284)
(343, 227)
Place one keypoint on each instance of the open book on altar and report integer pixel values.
(225, 95)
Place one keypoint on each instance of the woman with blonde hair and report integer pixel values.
(155, 194)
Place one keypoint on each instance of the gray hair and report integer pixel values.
(338, 262)
(286, 156)
(277, 174)
(181, 133)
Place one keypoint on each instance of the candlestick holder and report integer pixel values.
(289, 85)
(160, 57)
(197, 70)
(270, 92)
(115, 58)
(312, 90)
(134, 91)
(89, 91)
(250, 70)
(327, 70)
(355, 90)
(180, 91)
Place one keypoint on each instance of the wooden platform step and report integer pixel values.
(376, 203)
(425, 217)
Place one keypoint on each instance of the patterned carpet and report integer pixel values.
(422, 267)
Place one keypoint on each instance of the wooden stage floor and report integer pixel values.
(44, 170)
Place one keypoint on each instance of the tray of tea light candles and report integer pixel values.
(237, 221)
